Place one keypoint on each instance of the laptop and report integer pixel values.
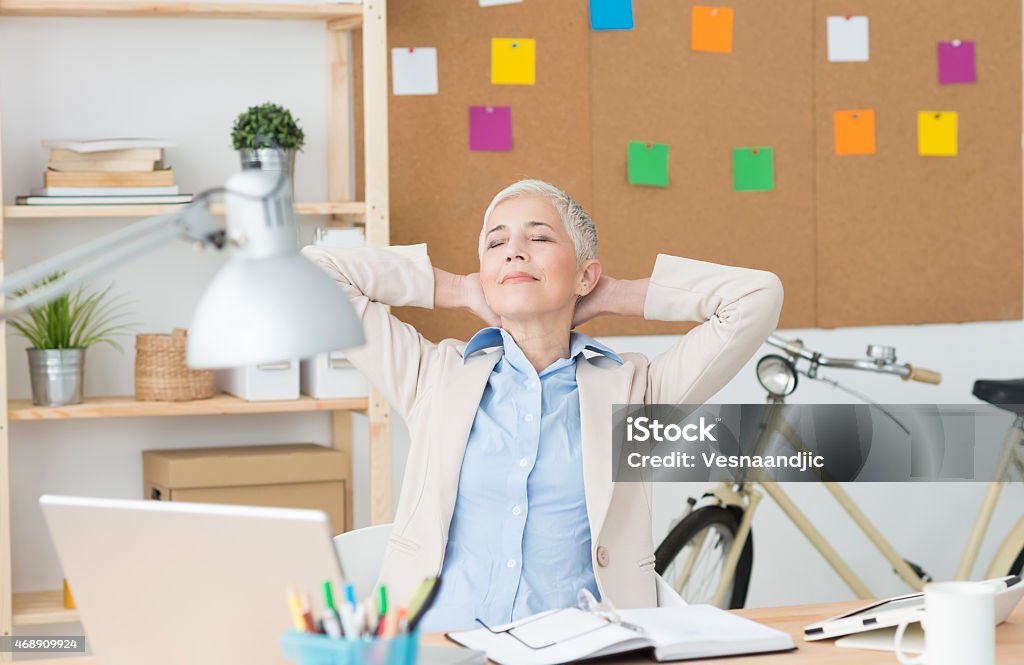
(167, 583)
(891, 612)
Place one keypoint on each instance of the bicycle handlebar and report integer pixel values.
(923, 375)
(882, 359)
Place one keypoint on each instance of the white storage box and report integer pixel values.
(261, 383)
(332, 376)
(339, 236)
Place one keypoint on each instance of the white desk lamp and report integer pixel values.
(268, 303)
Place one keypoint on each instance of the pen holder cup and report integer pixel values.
(315, 649)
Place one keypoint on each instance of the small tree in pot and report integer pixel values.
(260, 129)
(60, 332)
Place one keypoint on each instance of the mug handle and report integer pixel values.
(898, 644)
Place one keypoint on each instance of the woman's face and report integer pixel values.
(529, 261)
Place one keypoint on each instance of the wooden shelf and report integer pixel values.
(41, 607)
(220, 404)
(293, 11)
(68, 211)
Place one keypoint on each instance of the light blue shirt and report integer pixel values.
(519, 539)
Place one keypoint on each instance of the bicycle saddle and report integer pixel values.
(1005, 393)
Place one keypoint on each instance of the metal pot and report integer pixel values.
(57, 376)
(269, 159)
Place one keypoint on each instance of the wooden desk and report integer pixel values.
(792, 619)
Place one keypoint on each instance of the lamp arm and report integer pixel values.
(194, 223)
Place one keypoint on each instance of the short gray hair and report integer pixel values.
(577, 222)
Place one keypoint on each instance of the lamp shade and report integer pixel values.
(260, 310)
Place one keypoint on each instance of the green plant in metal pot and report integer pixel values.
(266, 137)
(60, 331)
(258, 124)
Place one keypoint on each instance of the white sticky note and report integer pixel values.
(414, 71)
(847, 38)
(495, 3)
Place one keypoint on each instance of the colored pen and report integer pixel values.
(382, 608)
(359, 621)
(348, 622)
(350, 595)
(331, 620)
(295, 606)
(422, 599)
(307, 614)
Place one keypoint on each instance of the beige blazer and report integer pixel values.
(438, 394)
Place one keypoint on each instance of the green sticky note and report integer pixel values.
(753, 169)
(648, 164)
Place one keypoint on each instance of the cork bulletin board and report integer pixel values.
(891, 237)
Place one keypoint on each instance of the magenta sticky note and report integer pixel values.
(956, 62)
(490, 127)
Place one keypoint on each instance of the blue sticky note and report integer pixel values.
(611, 14)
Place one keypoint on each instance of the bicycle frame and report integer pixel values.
(748, 497)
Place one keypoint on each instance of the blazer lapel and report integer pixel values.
(600, 386)
(455, 419)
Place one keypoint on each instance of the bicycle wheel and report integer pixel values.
(693, 553)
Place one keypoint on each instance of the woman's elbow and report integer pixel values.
(771, 296)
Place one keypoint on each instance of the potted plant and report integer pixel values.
(60, 332)
(258, 130)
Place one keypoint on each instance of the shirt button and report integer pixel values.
(602, 556)
(516, 510)
(528, 417)
(511, 563)
(524, 462)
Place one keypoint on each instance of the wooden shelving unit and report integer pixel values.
(46, 607)
(329, 208)
(218, 405)
(41, 607)
(253, 10)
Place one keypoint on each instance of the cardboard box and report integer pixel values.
(299, 475)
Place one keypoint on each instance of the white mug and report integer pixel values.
(959, 621)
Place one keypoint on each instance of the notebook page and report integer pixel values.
(559, 626)
(574, 633)
(697, 631)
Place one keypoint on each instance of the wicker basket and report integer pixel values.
(161, 373)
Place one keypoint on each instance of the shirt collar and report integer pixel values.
(493, 336)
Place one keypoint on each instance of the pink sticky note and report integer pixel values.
(956, 62)
(490, 127)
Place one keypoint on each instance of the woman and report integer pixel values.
(507, 490)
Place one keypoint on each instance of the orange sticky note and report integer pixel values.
(711, 29)
(855, 132)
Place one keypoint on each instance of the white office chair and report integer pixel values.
(360, 552)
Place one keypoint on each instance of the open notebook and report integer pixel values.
(674, 633)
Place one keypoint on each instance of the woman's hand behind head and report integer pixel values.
(475, 302)
(595, 303)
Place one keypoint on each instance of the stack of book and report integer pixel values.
(106, 172)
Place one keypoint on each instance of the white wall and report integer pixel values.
(187, 80)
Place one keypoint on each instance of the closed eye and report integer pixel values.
(495, 244)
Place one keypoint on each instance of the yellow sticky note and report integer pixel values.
(513, 61)
(937, 133)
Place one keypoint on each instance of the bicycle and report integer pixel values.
(708, 554)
